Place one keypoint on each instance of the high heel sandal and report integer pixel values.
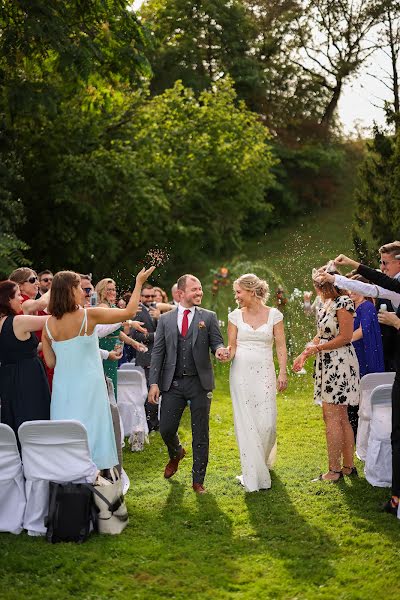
(321, 477)
(353, 471)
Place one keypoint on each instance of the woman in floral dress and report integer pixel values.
(336, 376)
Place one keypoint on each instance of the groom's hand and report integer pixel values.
(154, 394)
(223, 354)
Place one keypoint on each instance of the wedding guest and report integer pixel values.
(87, 286)
(252, 331)
(24, 390)
(106, 298)
(45, 281)
(311, 309)
(148, 315)
(387, 284)
(70, 344)
(367, 342)
(336, 377)
(121, 303)
(28, 283)
(33, 304)
(175, 295)
(160, 295)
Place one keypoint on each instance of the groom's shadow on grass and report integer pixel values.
(306, 551)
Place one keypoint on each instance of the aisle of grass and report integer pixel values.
(299, 540)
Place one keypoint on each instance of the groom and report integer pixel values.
(181, 370)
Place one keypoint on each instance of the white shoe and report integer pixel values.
(240, 479)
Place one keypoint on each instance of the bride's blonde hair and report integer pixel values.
(252, 283)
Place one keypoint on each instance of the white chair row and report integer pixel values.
(368, 384)
(132, 394)
(51, 451)
(378, 461)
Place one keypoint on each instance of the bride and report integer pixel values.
(252, 329)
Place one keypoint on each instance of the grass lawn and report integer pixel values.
(299, 540)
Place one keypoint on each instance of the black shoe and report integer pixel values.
(353, 472)
(389, 508)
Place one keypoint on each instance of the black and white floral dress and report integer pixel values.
(336, 374)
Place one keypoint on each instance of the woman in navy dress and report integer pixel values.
(24, 390)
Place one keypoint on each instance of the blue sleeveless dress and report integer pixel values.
(80, 392)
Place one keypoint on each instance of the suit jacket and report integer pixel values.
(143, 315)
(390, 335)
(206, 336)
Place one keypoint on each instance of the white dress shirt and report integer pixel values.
(367, 289)
(181, 310)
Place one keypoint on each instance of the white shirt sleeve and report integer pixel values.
(366, 289)
(103, 330)
(104, 354)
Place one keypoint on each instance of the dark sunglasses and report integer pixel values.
(87, 291)
(31, 279)
(148, 295)
(46, 279)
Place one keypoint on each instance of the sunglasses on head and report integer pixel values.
(32, 279)
(46, 279)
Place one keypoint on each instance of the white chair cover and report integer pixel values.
(52, 451)
(132, 394)
(368, 383)
(378, 463)
(12, 485)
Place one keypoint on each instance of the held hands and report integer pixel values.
(223, 354)
(154, 394)
(389, 318)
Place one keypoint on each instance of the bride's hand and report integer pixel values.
(282, 382)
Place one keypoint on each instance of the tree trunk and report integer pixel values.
(395, 75)
(329, 112)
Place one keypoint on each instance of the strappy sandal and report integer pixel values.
(321, 478)
(353, 471)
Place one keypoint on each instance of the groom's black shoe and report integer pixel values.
(389, 508)
(173, 465)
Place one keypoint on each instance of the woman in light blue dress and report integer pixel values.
(70, 345)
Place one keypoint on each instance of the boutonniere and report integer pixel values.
(202, 325)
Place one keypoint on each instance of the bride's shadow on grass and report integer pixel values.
(307, 551)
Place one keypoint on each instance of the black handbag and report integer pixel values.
(72, 513)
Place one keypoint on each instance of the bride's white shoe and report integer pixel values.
(240, 479)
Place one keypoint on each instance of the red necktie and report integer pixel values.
(185, 322)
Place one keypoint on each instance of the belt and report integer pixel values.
(186, 374)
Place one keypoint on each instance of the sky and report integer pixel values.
(361, 103)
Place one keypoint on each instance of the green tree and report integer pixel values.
(200, 41)
(377, 215)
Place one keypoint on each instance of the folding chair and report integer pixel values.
(368, 383)
(378, 462)
(12, 484)
(132, 394)
(52, 451)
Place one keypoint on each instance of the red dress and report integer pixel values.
(49, 372)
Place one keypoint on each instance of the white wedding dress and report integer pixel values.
(253, 391)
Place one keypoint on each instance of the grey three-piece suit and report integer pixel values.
(182, 369)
